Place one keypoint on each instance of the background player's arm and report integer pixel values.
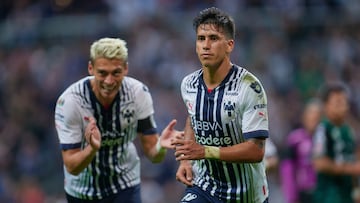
(326, 165)
(150, 146)
(76, 160)
(155, 147)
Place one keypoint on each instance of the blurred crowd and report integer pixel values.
(293, 46)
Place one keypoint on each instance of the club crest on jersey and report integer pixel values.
(256, 87)
(128, 115)
(229, 108)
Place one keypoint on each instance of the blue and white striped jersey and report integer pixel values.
(227, 115)
(116, 165)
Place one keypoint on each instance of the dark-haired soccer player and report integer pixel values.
(228, 122)
(334, 148)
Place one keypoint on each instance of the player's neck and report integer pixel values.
(213, 76)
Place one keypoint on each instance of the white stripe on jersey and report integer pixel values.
(116, 165)
(231, 113)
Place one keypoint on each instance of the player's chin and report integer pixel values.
(108, 95)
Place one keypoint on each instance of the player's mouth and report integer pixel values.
(108, 90)
(205, 55)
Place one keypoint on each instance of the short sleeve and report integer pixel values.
(254, 109)
(68, 123)
(144, 102)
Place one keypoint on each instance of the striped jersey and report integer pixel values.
(234, 111)
(116, 165)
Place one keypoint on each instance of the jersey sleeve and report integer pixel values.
(254, 107)
(144, 102)
(145, 110)
(68, 123)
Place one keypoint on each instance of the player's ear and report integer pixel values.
(230, 45)
(126, 68)
(90, 68)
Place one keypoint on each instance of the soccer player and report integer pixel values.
(334, 149)
(221, 154)
(97, 119)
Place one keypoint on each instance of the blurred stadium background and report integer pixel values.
(293, 46)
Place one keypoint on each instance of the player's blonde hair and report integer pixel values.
(110, 48)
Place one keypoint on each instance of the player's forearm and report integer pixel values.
(75, 163)
(328, 166)
(157, 153)
(247, 152)
(188, 131)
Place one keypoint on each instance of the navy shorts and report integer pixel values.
(129, 195)
(196, 195)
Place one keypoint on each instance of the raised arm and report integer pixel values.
(76, 160)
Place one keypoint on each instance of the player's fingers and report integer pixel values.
(180, 157)
(180, 135)
(172, 124)
(189, 174)
(183, 180)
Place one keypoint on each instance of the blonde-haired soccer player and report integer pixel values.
(97, 119)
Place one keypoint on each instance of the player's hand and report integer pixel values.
(186, 149)
(92, 133)
(184, 173)
(169, 134)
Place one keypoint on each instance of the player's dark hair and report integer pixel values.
(330, 88)
(217, 17)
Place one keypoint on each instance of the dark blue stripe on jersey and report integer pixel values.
(70, 146)
(86, 89)
(220, 175)
(92, 166)
(230, 169)
(243, 184)
(257, 134)
(146, 126)
(219, 107)
(150, 131)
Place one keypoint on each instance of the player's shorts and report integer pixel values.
(196, 195)
(129, 195)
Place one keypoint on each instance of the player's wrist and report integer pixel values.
(159, 148)
(212, 152)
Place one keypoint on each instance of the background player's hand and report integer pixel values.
(92, 133)
(168, 134)
(184, 173)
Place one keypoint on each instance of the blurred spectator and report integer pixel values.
(298, 176)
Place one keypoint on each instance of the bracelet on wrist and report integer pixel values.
(212, 152)
(159, 148)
